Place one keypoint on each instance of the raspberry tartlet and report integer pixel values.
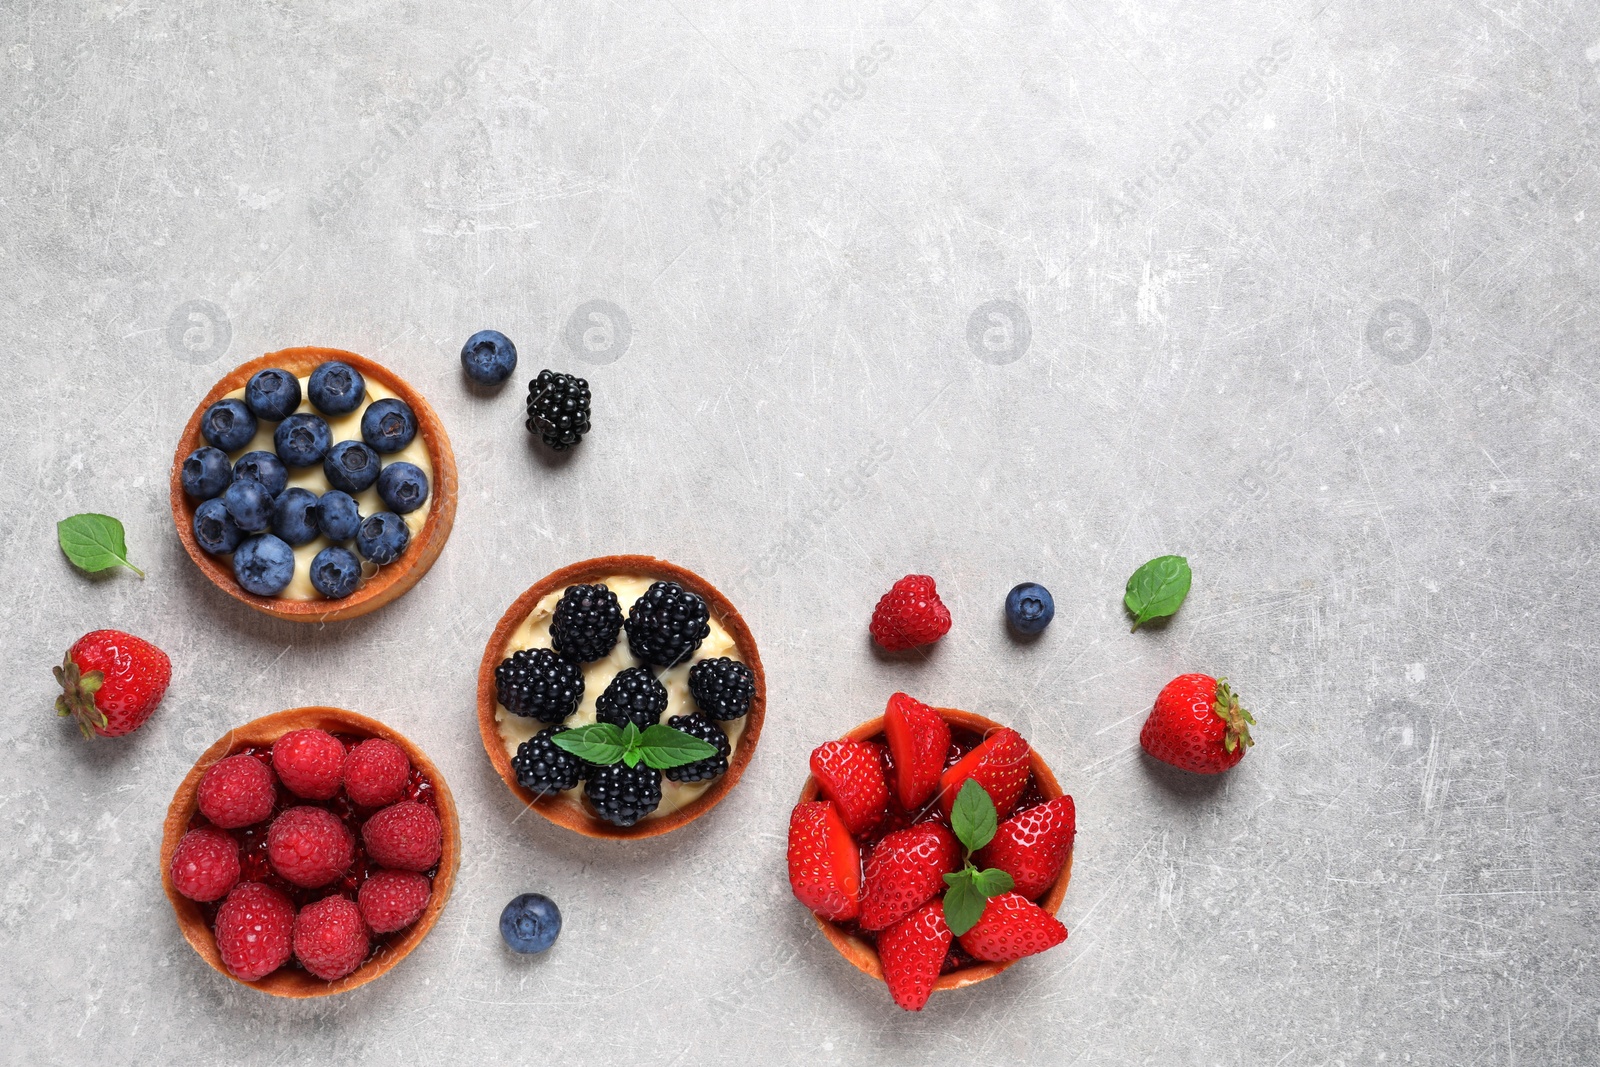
(313, 484)
(628, 643)
(318, 887)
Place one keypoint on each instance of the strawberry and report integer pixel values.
(1032, 846)
(1000, 764)
(912, 952)
(1197, 725)
(111, 682)
(918, 740)
(905, 871)
(824, 862)
(1011, 927)
(910, 614)
(851, 775)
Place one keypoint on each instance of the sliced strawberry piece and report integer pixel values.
(1000, 765)
(905, 871)
(912, 951)
(918, 740)
(824, 862)
(851, 775)
(1011, 927)
(1032, 846)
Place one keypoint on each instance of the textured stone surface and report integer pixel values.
(1305, 291)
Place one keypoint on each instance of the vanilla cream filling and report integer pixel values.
(344, 428)
(534, 632)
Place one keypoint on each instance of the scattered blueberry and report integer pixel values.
(302, 440)
(228, 425)
(206, 472)
(388, 425)
(249, 505)
(336, 388)
(1029, 608)
(337, 516)
(403, 487)
(272, 394)
(383, 537)
(294, 515)
(263, 565)
(351, 466)
(530, 923)
(263, 467)
(214, 529)
(335, 572)
(489, 357)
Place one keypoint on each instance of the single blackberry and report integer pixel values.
(558, 409)
(539, 684)
(634, 695)
(709, 732)
(587, 623)
(544, 767)
(623, 795)
(722, 688)
(667, 624)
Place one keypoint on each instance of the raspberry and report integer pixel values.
(310, 763)
(309, 846)
(406, 835)
(330, 938)
(205, 864)
(375, 773)
(393, 900)
(254, 928)
(910, 614)
(237, 791)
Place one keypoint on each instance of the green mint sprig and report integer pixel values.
(974, 821)
(94, 543)
(656, 746)
(1157, 589)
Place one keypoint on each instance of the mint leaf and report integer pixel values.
(972, 816)
(1157, 589)
(663, 747)
(992, 882)
(94, 543)
(599, 742)
(963, 904)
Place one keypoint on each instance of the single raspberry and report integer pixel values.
(254, 931)
(393, 900)
(330, 938)
(205, 864)
(910, 614)
(237, 791)
(376, 772)
(310, 763)
(310, 846)
(406, 835)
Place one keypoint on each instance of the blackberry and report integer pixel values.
(709, 732)
(558, 409)
(539, 684)
(722, 688)
(622, 795)
(587, 622)
(667, 624)
(544, 767)
(634, 695)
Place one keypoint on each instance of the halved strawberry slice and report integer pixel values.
(824, 862)
(905, 871)
(912, 951)
(851, 775)
(918, 741)
(1000, 765)
(1011, 927)
(1032, 846)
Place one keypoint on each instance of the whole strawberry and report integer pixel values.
(1197, 725)
(912, 951)
(1011, 927)
(910, 614)
(111, 682)
(1032, 846)
(906, 870)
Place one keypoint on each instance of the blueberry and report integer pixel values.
(263, 565)
(1029, 608)
(249, 505)
(530, 923)
(337, 516)
(214, 529)
(302, 440)
(382, 537)
(294, 515)
(336, 388)
(388, 425)
(351, 466)
(403, 487)
(272, 394)
(335, 572)
(206, 472)
(489, 357)
(228, 425)
(263, 467)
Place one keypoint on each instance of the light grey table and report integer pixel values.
(1303, 290)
